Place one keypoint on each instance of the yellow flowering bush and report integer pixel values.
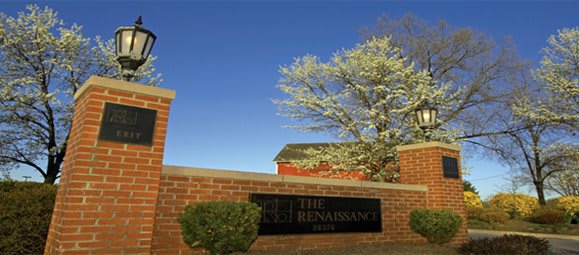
(569, 204)
(471, 199)
(516, 205)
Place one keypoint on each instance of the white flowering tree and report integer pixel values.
(43, 63)
(566, 181)
(539, 152)
(559, 75)
(366, 96)
(544, 151)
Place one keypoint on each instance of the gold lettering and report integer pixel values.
(311, 216)
(309, 203)
(128, 134)
(301, 216)
(320, 204)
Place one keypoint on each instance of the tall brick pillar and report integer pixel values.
(110, 178)
(436, 165)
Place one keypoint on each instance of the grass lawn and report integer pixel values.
(525, 226)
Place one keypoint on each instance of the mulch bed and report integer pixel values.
(391, 249)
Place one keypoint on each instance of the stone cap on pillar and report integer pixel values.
(136, 88)
(418, 146)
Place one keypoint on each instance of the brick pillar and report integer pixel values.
(423, 164)
(110, 178)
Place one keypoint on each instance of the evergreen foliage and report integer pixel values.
(221, 227)
(437, 226)
(468, 186)
(25, 213)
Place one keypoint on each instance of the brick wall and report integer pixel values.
(182, 186)
(118, 198)
(107, 194)
(422, 164)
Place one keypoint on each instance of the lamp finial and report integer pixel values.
(139, 21)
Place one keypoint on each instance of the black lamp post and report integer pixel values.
(426, 118)
(133, 47)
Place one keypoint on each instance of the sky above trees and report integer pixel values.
(223, 59)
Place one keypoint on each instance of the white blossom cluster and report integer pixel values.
(43, 63)
(559, 75)
(365, 96)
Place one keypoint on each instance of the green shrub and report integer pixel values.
(488, 215)
(221, 227)
(474, 213)
(507, 244)
(494, 216)
(437, 226)
(547, 215)
(25, 212)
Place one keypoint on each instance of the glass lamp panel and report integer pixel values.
(117, 41)
(126, 36)
(426, 116)
(138, 45)
(419, 117)
(148, 47)
(433, 114)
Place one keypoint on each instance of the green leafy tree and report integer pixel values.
(44, 63)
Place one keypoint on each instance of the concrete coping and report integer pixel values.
(418, 146)
(251, 176)
(132, 87)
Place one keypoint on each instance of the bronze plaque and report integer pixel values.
(128, 124)
(294, 214)
(450, 167)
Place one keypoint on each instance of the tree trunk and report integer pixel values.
(50, 179)
(53, 167)
(540, 193)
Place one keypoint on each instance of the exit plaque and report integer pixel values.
(128, 124)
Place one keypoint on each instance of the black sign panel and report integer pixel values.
(128, 124)
(289, 214)
(450, 167)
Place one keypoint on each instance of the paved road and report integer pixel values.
(569, 245)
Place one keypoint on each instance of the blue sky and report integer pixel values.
(223, 57)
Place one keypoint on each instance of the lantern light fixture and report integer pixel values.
(426, 117)
(133, 44)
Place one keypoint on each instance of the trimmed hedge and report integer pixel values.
(221, 227)
(25, 212)
(437, 225)
(507, 244)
